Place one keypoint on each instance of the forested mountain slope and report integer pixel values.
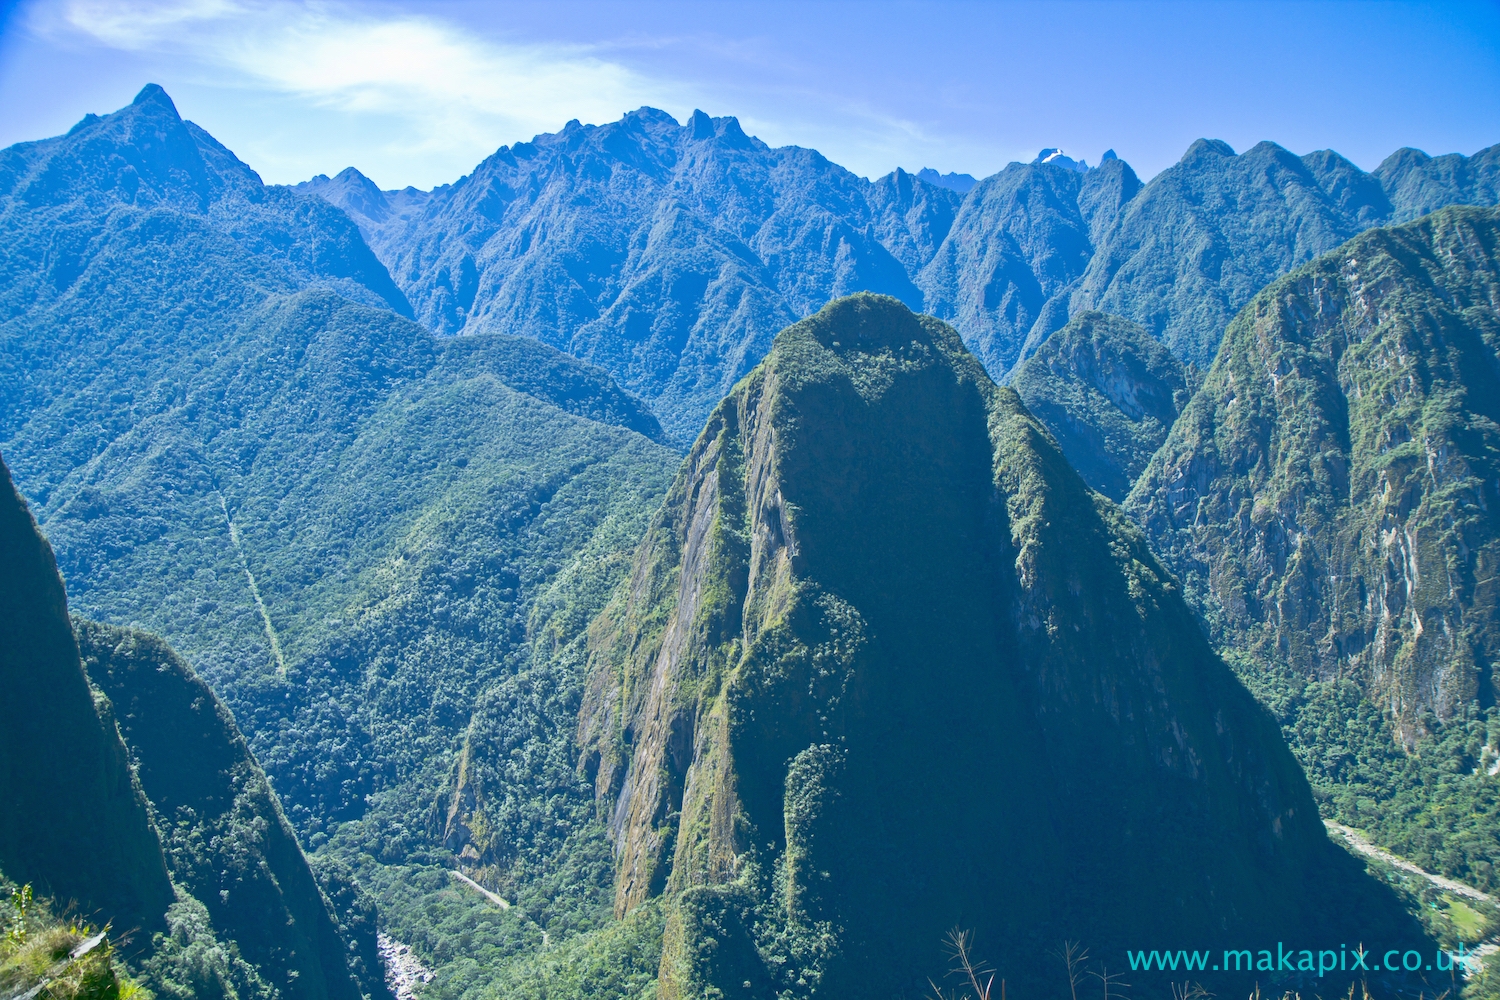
(388, 549)
(1108, 393)
(108, 790)
(885, 663)
(1330, 501)
(670, 254)
(351, 529)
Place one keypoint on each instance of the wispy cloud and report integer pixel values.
(449, 86)
(410, 97)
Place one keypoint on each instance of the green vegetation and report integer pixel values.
(682, 249)
(836, 648)
(58, 959)
(1108, 393)
(619, 962)
(376, 546)
(100, 850)
(1329, 502)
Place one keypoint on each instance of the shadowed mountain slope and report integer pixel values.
(1108, 393)
(885, 664)
(74, 822)
(225, 839)
(176, 791)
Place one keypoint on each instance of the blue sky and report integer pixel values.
(417, 93)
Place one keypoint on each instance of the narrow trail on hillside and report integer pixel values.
(492, 897)
(260, 606)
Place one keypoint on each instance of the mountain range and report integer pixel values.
(670, 254)
(598, 577)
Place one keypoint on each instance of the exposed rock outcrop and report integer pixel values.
(1331, 498)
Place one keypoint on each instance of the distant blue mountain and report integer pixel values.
(953, 182)
(669, 253)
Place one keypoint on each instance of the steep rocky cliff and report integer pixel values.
(225, 838)
(73, 822)
(1108, 393)
(1331, 498)
(884, 664)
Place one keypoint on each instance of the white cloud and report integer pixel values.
(412, 98)
(450, 87)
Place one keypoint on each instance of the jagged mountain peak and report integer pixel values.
(1206, 234)
(962, 183)
(701, 124)
(143, 154)
(562, 238)
(154, 93)
(1057, 158)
